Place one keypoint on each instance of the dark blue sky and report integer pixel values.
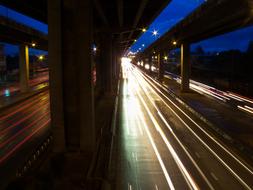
(238, 39)
(172, 14)
(179, 9)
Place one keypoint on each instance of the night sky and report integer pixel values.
(179, 9)
(172, 14)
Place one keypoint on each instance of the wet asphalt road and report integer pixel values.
(159, 145)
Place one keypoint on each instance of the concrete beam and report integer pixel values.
(160, 62)
(24, 68)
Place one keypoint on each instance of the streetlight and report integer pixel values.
(41, 57)
(33, 44)
(155, 33)
(144, 29)
(174, 42)
(165, 58)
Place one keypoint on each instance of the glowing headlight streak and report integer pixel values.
(249, 107)
(171, 130)
(204, 89)
(199, 89)
(220, 145)
(234, 97)
(245, 109)
(185, 173)
(240, 97)
(165, 172)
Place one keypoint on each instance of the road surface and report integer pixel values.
(160, 145)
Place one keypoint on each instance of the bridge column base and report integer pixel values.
(185, 68)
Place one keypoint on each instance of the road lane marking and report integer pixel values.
(224, 164)
(185, 173)
(168, 179)
(129, 186)
(206, 133)
(214, 176)
(165, 172)
(184, 148)
(197, 154)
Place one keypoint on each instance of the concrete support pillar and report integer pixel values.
(24, 68)
(160, 62)
(106, 63)
(185, 67)
(118, 65)
(150, 62)
(70, 63)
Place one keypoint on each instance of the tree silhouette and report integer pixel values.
(199, 50)
(250, 48)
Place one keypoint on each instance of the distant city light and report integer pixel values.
(41, 57)
(33, 44)
(153, 68)
(135, 40)
(165, 58)
(144, 30)
(94, 49)
(143, 45)
(174, 42)
(7, 92)
(147, 67)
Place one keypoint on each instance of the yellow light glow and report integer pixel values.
(33, 44)
(165, 58)
(144, 30)
(41, 57)
(174, 43)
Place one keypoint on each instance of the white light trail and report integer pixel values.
(212, 151)
(181, 166)
(245, 109)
